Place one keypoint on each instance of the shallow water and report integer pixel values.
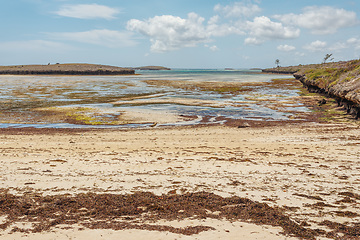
(104, 101)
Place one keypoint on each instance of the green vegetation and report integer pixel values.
(228, 89)
(324, 77)
(81, 116)
(331, 114)
(350, 66)
(332, 74)
(82, 119)
(89, 116)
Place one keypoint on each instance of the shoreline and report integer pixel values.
(48, 103)
(284, 179)
(338, 80)
(308, 170)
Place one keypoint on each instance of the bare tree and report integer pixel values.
(327, 56)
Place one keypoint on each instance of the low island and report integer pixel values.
(65, 69)
(156, 68)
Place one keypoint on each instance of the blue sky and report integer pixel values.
(179, 33)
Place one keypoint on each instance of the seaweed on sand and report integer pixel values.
(130, 211)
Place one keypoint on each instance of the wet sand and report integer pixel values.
(306, 175)
(138, 100)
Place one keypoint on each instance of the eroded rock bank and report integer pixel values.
(339, 80)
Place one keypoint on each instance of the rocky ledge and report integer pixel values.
(339, 80)
(65, 69)
(152, 68)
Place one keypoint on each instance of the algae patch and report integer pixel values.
(225, 87)
(82, 116)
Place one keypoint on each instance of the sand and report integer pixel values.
(309, 170)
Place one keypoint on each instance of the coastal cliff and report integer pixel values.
(340, 80)
(65, 69)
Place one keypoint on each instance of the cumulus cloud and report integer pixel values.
(262, 29)
(300, 54)
(316, 46)
(238, 9)
(213, 48)
(103, 37)
(354, 42)
(169, 32)
(338, 46)
(214, 28)
(286, 48)
(321, 20)
(253, 41)
(88, 11)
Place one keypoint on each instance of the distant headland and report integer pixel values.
(339, 80)
(151, 68)
(65, 69)
(73, 69)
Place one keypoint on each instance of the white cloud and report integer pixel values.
(103, 37)
(300, 54)
(338, 46)
(214, 20)
(286, 48)
(88, 11)
(354, 42)
(316, 46)
(253, 41)
(214, 48)
(169, 32)
(262, 29)
(321, 20)
(335, 47)
(238, 9)
(217, 30)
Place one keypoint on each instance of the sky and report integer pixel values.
(179, 33)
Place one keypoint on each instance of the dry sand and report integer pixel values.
(310, 170)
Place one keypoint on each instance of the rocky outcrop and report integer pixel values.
(65, 69)
(152, 68)
(340, 81)
(280, 70)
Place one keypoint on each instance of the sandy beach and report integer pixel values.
(307, 172)
(180, 120)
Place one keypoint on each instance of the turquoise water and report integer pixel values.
(112, 96)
